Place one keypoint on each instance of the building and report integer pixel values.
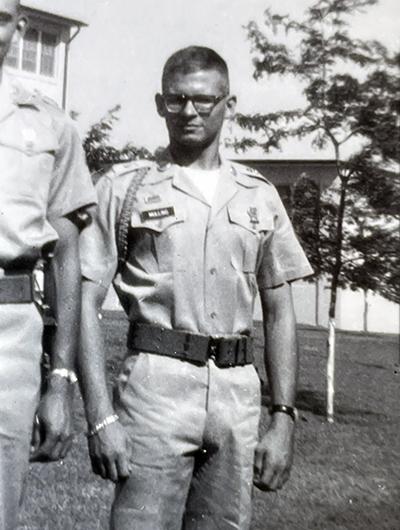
(355, 310)
(39, 58)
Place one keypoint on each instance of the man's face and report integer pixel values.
(190, 127)
(9, 16)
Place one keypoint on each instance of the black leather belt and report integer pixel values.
(193, 347)
(16, 288)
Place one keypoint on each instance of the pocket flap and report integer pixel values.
(29, 141)
(252, 218)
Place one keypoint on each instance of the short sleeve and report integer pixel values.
(282, 258)
(71, 188)
(98, 248)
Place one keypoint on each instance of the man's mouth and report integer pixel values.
(188, 127)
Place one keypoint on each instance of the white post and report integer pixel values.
(330, 372)
(365, 314)
(317, 302)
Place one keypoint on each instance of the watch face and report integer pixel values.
(285, 409)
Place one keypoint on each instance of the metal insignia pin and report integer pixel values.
(253, 214)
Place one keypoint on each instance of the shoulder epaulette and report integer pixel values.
(46, 100)
(122, 168)
(250, 172)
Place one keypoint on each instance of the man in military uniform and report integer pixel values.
(205, 234)
(44, 186)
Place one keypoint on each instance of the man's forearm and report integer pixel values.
(92, 357)
(65, 270)
(281, 358)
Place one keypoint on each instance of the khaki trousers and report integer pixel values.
(193, 431)
(20, 351)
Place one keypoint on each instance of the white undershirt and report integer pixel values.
(205, 180)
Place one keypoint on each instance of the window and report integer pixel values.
(48, 55)
(30, 43)
(35, 52)
(13, 53)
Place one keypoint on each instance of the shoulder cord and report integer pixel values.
(126, 213)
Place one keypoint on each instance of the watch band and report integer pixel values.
(102, 424)
(69, 375)
(286, 409)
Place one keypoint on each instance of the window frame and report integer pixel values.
(41, 28)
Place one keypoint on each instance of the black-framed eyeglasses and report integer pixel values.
(203, 104)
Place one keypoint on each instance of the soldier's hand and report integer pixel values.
(52, 430)
(274, 454)
(110, 453)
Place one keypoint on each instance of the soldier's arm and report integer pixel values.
(55, 409)
(274, 453)
(108, 448)
(92, 357)
(67, 277)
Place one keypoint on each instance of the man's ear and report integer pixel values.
(22, 24)
(230, 106)
(160, 105)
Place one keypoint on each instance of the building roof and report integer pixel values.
(289, 161)
(285, 172)
(61, 9)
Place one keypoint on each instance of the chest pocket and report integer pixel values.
(29, 132)
(154, 235)
(30, 154)
(252, 225)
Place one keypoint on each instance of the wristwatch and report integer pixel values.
(64, 373)
(286, 409)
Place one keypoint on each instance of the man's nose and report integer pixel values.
(189, 109)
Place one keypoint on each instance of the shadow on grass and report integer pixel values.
(374, 366)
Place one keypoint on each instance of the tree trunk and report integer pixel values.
(330, 366)
(317, 301)
(365, 313)
(330, 372)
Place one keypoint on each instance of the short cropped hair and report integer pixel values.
(192, 59)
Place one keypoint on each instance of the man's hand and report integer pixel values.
(110, 453)
(274, 454)
(52, 431)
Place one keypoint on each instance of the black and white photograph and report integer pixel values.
(199, 265)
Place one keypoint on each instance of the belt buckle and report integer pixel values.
(213, 347)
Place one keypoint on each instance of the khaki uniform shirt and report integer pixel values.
(193, 266)
(43, 174)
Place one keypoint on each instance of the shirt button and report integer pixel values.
(213, 271)
(213, 315)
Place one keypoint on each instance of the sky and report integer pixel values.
(119, 57)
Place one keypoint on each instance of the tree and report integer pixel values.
(350, 87)
(100, 153)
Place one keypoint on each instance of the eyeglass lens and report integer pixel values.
(202, 103)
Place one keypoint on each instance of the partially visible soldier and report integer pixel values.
(45, 187)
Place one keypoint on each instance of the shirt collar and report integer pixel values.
(166, 168)
(16, 93)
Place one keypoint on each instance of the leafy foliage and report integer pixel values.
(100, 153)
(351, 90)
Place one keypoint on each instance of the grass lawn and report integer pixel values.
(346, 475)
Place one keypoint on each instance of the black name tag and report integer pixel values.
(157, 213)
